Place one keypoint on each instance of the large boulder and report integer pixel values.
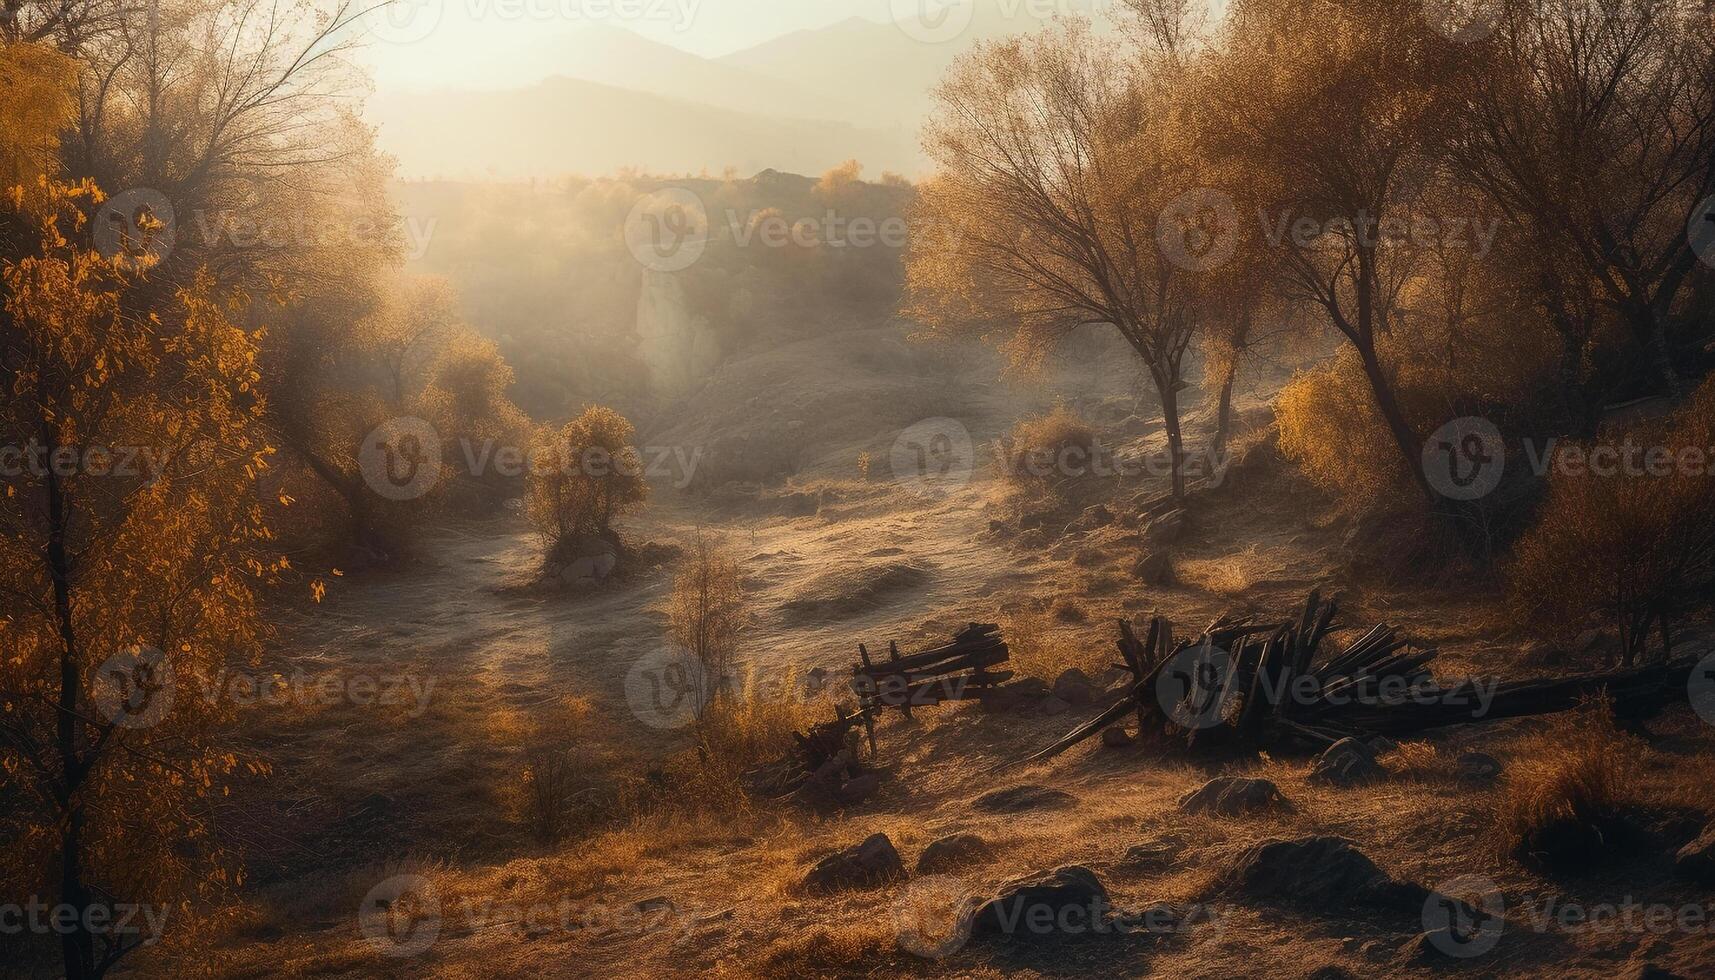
(1314, 872)
(1696, 860)
(1066, 901)
(1074, 687)
(1230, 796)
(1018, 799)
(950, 852)
(1346, 763)
(873, 862)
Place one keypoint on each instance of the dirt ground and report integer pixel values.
(481, 660)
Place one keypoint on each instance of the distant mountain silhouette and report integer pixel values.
(565, 125)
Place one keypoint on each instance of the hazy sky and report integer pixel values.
(451, 43)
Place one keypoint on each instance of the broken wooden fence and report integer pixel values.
(1248, 685)
(824, 759)
(957, 671)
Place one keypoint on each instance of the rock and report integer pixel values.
(1017, 799)
(1065, 901)
(950, 852)
(860, 788)
(1116, 737)
(873, 862)
(1158, 854)
(1093, 517)
(1649, 971)
(1345, 763)
(1155, 568)
(1020, 695)
(1696, 860)
(1054, 706)
(1478, 767)
(1590, 641)
(1036, 520)
(1165, 529)
(1230, 796)
(1074, 687)
(1316, 872)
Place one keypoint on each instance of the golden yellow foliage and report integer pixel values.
(132, 550)
(584, 477)
(37, 102)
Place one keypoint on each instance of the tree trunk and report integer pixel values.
(1224, 408)
(75, 943)
(1167, 385)
(1409, 443)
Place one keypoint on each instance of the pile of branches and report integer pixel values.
(1247, 685)
(820, 769)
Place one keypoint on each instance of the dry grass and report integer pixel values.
(1041, 646)
(1229, 575)
(1416, 761)
(1047, 447)
(1568, 783)
(827, 951)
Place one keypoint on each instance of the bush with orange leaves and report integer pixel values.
(1635, 545)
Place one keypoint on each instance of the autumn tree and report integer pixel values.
(582, 478)
(1591, 127)
(1044, 210)
(1323, 119)
(132, 549)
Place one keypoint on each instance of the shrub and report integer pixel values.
(1637, 548)
(1057, 444)
(583, 478)
(705, 614)
(1561, 797)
